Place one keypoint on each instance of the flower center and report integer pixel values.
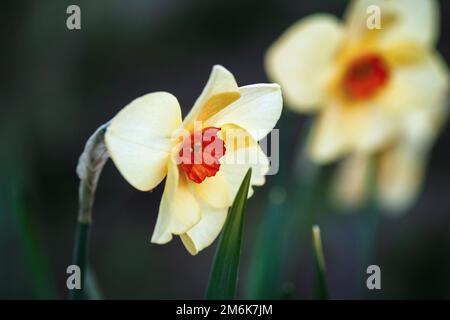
(200, 154)
(365, 76)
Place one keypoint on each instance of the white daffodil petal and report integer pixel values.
(219, 191)
(328, 139)
(401, 20)
(415, 86)
(214, 191)
(303, 59)
(220, 91)
(206, 231)
(368, 127)
(179, 210)
(401, 173)
(139, 138)
(257, 111)
(422, 126)
(341, 128)
(235, 165)
(350, 185)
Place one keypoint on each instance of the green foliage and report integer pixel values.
(224, 273)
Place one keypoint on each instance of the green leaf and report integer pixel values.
(36, 257)
(320, 285)
(223, 278)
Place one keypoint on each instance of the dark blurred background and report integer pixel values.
(57, 86)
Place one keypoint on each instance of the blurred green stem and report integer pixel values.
(265, 271)
(368, 226)
(320, 284)
(287, 219)
(80, 254)
(34, 251)
(93, 291)
(89, 168)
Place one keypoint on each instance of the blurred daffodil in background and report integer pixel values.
(379, 93)
(148, 141)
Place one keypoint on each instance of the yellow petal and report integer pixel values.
(417, 85)
(303, 59)
(402, 167)
(328, 141)
(341, 128)
(179, 210)
(214, 191)
(423, 126)
(350, 184)
(235, 165)
(242, 151)
(401, 173)
(206, 231)
(257, 111)
(220, 91)
(401, 20)
(368, 127)
(220, 190)
(139, 138)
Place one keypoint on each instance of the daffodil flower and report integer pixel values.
(148, 141)
(401, 166)
(375, 90)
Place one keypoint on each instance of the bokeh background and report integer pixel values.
(57, 86)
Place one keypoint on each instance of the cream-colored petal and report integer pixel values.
(416, 85)
(351, 181)
(232, 171)
(414, 88)
(401, 173)
(303, 59)
(401, 20)
(423, 126)
(402, 167)
(328, 140)
(236, 164)
(179, 210)
(214, 191)
(219, 191)
(139, 138)
(369, 128)
(342, 128)
(257, 110)
(206, 231)
(220, 91)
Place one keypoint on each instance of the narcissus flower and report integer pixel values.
(400, 165)
(201, 157)
(375, 90)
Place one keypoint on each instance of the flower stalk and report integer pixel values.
(89, 168)
(320, 285)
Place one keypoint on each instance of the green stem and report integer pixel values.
(367, 229)
(90, 166)
(35, 254)
(93, 291)
(305, 185)
(265, 269)
(80, 255)
(320, 284)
